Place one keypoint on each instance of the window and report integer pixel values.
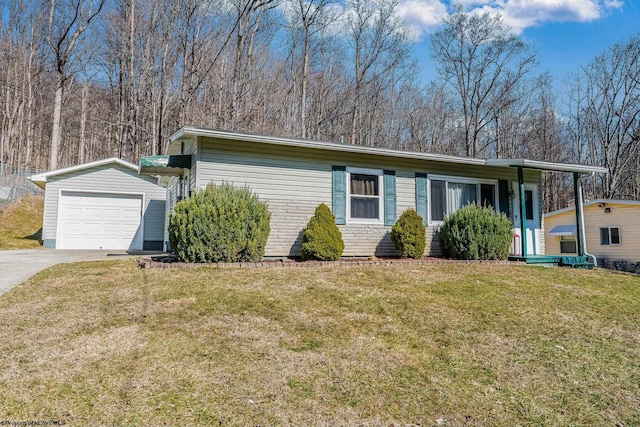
(568, 245)
(365, 202)
(487, 195)
(448, 194)
(609, 236)
(528, 201)
(438, 200)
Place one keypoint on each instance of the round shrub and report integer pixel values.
(476, 232)
(408, 234)
(322, 239)
(220, 224)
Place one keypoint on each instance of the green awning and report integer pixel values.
(164, 165)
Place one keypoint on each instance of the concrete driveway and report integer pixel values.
(16, 266)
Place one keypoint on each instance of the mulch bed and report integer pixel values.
(170, 261)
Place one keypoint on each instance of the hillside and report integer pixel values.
(20, 223)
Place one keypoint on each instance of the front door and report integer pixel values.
(533, 219)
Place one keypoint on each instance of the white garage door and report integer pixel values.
(99, 221)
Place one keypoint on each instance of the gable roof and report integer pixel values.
(189, 132)
(41, 179)
(595, 202)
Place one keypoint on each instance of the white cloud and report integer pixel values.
(520, 14)
(422, 16)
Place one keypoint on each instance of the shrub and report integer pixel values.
(408, 234)
(220, 224)
(322, 239)
(476, 232)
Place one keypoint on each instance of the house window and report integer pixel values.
(609, 236)
(365, 189)
(528, 199)
(448, 194)
(568, 245)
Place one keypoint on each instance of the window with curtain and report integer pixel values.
(447, 195)
(460, 194)
(364, 194)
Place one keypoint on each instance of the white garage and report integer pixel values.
(99, 221)
(102, 205)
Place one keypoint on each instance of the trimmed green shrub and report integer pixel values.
(322, 240)
(220, 224)
(476, 232)
(408, 234)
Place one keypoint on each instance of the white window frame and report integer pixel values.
(362, 171)
(609, 229)
(458, 180)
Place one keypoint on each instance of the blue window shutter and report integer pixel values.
(421, 196)
(389, 197)
(339, 193)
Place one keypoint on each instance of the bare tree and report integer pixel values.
(482, 60)
(611, 111)
(68, 20)
(379, 44)
(309, 20)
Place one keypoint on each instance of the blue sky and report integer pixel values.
(566, 33)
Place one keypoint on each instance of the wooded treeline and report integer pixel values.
(82, 80)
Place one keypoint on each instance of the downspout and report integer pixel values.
(580, 233)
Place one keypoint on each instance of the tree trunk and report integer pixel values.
(56, 129)
(83, 122)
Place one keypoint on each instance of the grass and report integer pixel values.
(111, 344)
(20, 223)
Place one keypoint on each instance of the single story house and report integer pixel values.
(102, 205)
(367, 188)
(612, 230)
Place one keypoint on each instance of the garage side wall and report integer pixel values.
(111, 178)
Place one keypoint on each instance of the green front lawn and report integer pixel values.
(109, 343)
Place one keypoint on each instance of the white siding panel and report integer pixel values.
(107, 178)
(405, 191)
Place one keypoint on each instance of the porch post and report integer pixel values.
(577, 193)
(523, 212)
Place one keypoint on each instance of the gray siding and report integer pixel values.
(293, 181)
(109, 178)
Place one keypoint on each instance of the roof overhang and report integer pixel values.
(187, 133)
(546, 166)
(170, 165)
(41, 179)
(190, 132)
(599, 202)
